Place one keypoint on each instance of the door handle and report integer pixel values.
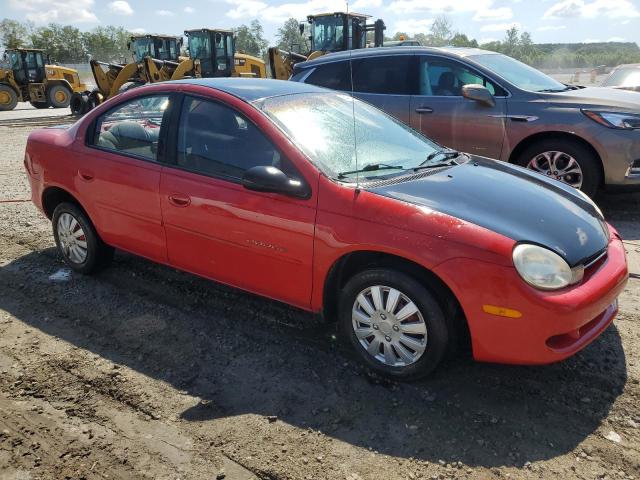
(179, 200)
(85, 175)
(422, 110)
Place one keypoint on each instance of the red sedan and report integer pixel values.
(312, 198)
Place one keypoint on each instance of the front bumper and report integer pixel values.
(553, 325)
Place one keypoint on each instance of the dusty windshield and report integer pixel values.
(521, 75)
(199, 46)
(340, 135)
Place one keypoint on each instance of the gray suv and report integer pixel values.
(488, 104)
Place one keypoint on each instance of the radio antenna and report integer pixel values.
(350, 33)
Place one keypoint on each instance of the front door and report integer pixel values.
(261, 242)
(441, 112)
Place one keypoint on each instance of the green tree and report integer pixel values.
(250, 39)
(441, 32)
(13, 34)
(289, 37)
(108, 44)
(461, 40)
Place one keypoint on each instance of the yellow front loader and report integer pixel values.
(113, 78)
(24, 77)
(330, 32)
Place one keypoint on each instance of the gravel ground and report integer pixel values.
(146, 372)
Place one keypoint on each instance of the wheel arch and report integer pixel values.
(64, 83)
(555, 135)
(353, 262)
(54, 196)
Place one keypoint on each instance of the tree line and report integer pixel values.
(68, 44)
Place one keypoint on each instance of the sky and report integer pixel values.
(485, 20)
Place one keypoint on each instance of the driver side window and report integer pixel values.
(215, 140)
(445, 78)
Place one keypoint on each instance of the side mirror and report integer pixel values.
(479, 94)
(301, 27)
(274, 180)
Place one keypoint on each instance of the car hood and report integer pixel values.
(598, 97)
(511, 201)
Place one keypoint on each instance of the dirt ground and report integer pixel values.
(147, 372)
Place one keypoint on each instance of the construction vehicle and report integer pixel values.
(211, 54)
(112, 78)
(157, 59)
(24, 77)
(330, 32)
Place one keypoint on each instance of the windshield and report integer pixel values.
(327, 33)
(199, 46)
(142, 48)
(623, 77)
(324, 127)
(519, 74)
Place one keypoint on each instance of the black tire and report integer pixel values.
(437, 336)
(59, 96)
(8, 98)
(78, 104)
(39, 105)
(588, 161)
(98, 254)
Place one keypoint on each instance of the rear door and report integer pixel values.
(440, 111)
(118, 174)
(386, 82)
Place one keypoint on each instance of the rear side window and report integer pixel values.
(389, 75)
(132, 127)
(216, 140)
(333, 75)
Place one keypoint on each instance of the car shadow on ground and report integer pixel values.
(248, 355)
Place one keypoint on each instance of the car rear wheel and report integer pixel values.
(8, 98)
(77, 240)
(569, 162)
(59, 96)
(394, 323)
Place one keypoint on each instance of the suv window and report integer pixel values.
(333, 75)
(441, 77)
(390, 75)
(132, 127)
(213, 139)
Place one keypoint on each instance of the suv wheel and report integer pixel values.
(77, 240)
(563, 160)
(394, 323)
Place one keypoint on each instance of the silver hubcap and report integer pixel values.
(72, 239)
(559, 166)
(389, 326)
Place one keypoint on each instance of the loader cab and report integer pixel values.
(214, 50)
(155, 46)
(335, 32)
(27, 65)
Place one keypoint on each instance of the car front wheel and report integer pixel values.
(77, 240)
(394, 323)
(563, 160)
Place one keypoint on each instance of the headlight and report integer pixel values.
(544, 269)
(624, 121)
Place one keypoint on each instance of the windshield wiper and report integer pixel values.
(370, 168)
(556, 90)
(448, 155)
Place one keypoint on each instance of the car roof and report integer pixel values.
(251, 89)
(386, 51)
